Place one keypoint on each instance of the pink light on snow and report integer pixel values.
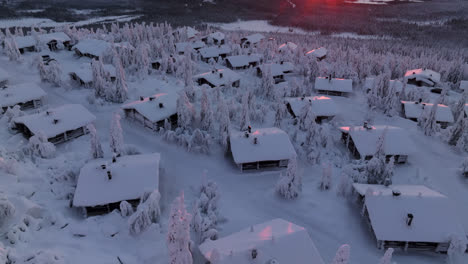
(290, 228)
(266, 233)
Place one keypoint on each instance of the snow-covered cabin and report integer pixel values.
(218, 78)
(463, 85)
(84, 74)
(278, 70)
(363, 141)
(214, 52)
(58, 124)
(252, 40)
(261, 148)
(324, 108)
(92, 48)
(102, 184)
(243, 61)
(273, 242)
(217, 38)
(52, 40)
(153, 111)
(166, 62)
(182, 46)
(413, 110)
(26, 95)
(422, 77)
(4, 76)
(410, 217)
(288, 46)
(189, 31)
(319, 54)
(333, 86)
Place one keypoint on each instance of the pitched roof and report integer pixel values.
(318, 53)
(275, 240)
(132, 176)
(70, 117)
(93, 47)
(277, 69)
(219, 77)
(214, 52)
(415, 110)
(254, 38)
(20, 93)
(30, 41)
(85, 72)
(181, 46)
(217, 36)
(320, 105)
(434, 217)
(244, 60)
(397, 141)
(287, 46)
(428, 76)
(272, 144)
(150, 108)
(335, 84)
(4, 76)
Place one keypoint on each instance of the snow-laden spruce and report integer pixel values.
(289, 184)
(39, 146)
(205, 216)
(147, 213)
(96, 148)
(178, 236)
(116, 136)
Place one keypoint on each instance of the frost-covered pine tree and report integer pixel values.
(11, 49)
(325, 182)
(188, 72)
(245, 114)
(147, 213)
(342, 255)
(51, 73)
(126, 209)
(427, 121)
(344, 187)
(7, 209)
(289, 185)
(388, 172)
(375, 167)
(224, 124)
(116, 135)
(121, 90)
(205, 218)
(268, 84)
(40, 146)
(464, 167)
(459, 109)
(100, 82)
(199, 142)
(456, 250)
(96, 148)
(387, 257)
(206, 114)
(457, 130)
(185, 111)
(178, 237)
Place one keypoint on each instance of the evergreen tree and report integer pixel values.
(289, 185)
(178, 237)
(427, 121)
(116, 136)
(185, 111)
(387, 257)
(206, 114)
(121, 90)
(342, 255)
(96, 148)
(245, 114)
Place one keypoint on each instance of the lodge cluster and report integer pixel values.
(422, 223)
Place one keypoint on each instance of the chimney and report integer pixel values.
(254, 253)
(302, 98)
(220, 75)
(151, 98)
(161, 105)
(103, 166)
(109, 175)
(246, 134)
(47, 112)
(396, 193)
(282, 62)
(249, 128)
(366, 125)
(142, 98)
(420, 100)
(409, 219)
(329, 77)
(114, 159)
(213, 71)
(255, 141)
(56, 121)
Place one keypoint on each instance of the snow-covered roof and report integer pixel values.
(191, 32)
(318, 53)
(272, 144)
(181, 46)
(70, 117)
(132, 176)
(93, 47)
(214, 52)
(335, 84)
(150, 107)
(275, 241)
(4, 76)
(397, 141)
(463, 85)
(219, 77)
(20, 93)
(287, 46)
(85, 72)
(434, 217)
(254, 38)
(415, 110)
(30, 41)
(428, 76)
(369, 84)
(320, 105)
(278, 68)
(217, 36)
(244, 60)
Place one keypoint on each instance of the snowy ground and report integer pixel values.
(47, 23)
(247, 198)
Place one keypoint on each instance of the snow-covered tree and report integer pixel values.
(185, 111)
(268, 84)
(39, 146)
(101, 82)
(178, 237)
(206, 114)
(7, 209)
(121, 90)
(245, 114)
(388, 172)
(12, 113)
(11, 49)
(342, 255)
(375, 167)
(116, 135)
(464, 167)
(205, 218)
(459, 109)
(147, 213)
(325, 182)
(224, 124)
(199, 142)
(344, 187)
(126, 209)
(51, 73)
(289, 185)
(387, 257)
(456, 250)
(457, 130)
(96, 148)
(428, 122)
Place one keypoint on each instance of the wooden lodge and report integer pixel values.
(218, 78)
(91, 48)
(277, 70)
(333, 86)
(26, 95)
(324, 108)
(243, 61)
(414, 110)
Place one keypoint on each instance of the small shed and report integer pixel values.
(409, 217)
(422, 77)
(92, 48)
(58, 124)
(84, 74)
(218, 78)
(26, 95)
(102, 184)
(217, 38)
(273, 242)
(195, 45)
(252, 40)
(362, 141)
(4, 76)
(333, 86)
(319, 54)
(243, 61)
(261, 148)
(414, 110)
(153, 111)
(288, 46)
(214, 52)
(324, 108)
(278, 70)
